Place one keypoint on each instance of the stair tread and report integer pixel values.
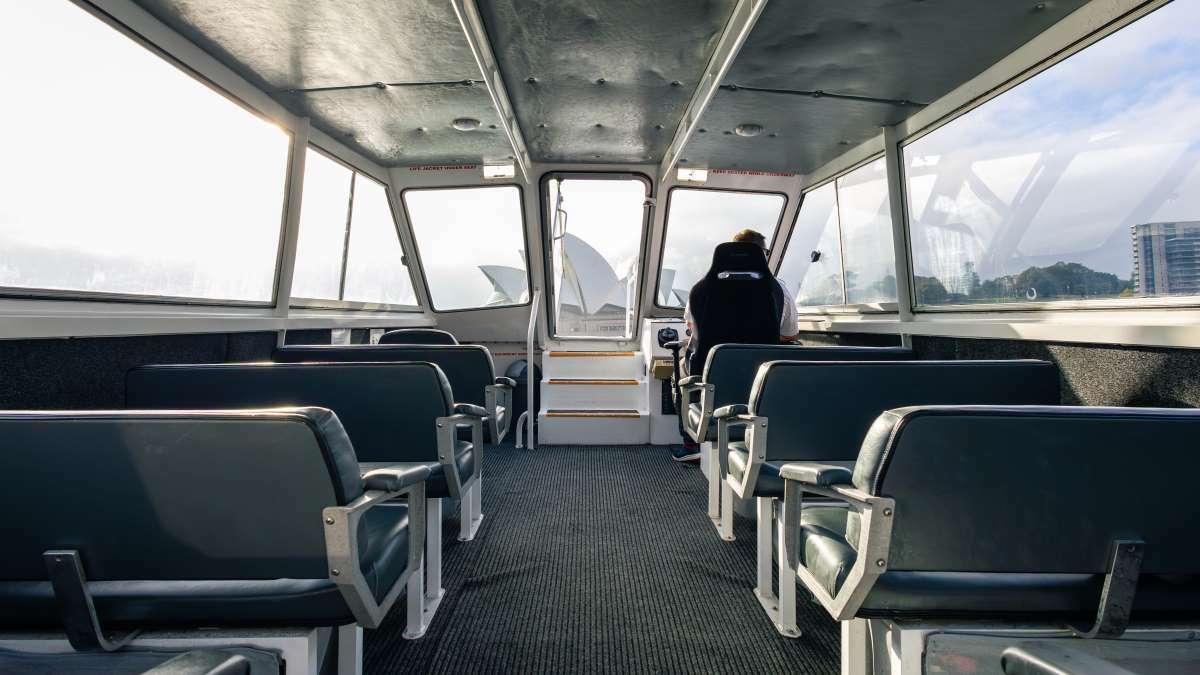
(594, 412)
(580, 354)
(592, 380)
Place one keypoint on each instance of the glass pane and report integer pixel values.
(472, 245)
(375, 270)
(697, 221)
(597, 239)
(866, 220)
(177, 191)
(324, 214)
(815, 235)
(1083, 182)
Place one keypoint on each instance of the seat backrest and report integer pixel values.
(388, 409)
(417, 336)
(822, 410)
(1038, 489)
(731, 368)
(468, 368)
(173, 495)
(737, 301)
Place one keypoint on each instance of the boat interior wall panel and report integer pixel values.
(417, 46)
(1095, 375)
(89, 373)
(607, 81)
(892, 51)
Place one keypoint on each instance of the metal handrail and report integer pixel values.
(530, 413)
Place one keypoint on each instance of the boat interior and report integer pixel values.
(566, 336)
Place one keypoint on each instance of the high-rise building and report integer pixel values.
(1166, 258)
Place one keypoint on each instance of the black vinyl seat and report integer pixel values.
(417, 336)
(818, 411)
(390, 410)
(730, 369)
(737, 301)
(468, 368)
(201, 518)
(1007, 512)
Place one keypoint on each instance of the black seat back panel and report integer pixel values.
(822, 410)
(170, 495)
(388, 409)
(468, 368)
(1032, 489)
(731, 367)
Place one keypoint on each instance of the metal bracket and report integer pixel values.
(65, 571)
(1120, 586)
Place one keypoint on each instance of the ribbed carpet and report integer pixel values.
(600, 560)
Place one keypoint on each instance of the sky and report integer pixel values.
(164, 176)
(115, 161)
(1117, 125)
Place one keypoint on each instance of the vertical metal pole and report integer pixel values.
(291, 222)
(531, 419)
(905, 298)
(765, 543)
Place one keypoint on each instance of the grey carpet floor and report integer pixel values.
(599, 560)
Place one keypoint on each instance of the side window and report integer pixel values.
(472, 245)
(812, 265)
(840, 250)
(349, 249)
(698, 220)
(174, 191)
(1080, 183)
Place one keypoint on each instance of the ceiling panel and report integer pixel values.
(602, 81)
(914, 50)
(281, 45)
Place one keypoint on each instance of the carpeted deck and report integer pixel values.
(600, 560)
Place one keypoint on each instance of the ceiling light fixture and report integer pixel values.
(465, 124)
(748, 129)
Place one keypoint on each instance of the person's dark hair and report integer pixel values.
(751, 236)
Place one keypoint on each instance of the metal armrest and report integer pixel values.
(447, 439)
(470, 409)
(737, 410)
(815, 473)
(874, 532)
(690, 381)
(342, 549)
(496, 397)
(506, 382)
(396, 478)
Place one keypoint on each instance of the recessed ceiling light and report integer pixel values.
(748, 129)
(465, 124)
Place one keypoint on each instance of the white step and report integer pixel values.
(563, 364)
(586, 393)
(593, 427)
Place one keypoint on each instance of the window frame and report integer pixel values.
(299, 302)
(502, 183)
(870, 308)
(547, 258)
(125, 31)
(662, 248)
(1066, 52)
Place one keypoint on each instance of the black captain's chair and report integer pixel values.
(738, 301)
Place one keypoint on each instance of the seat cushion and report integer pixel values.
(823, 548)
(692, 424)
(826, 553)
(769, 483)
(383, 545)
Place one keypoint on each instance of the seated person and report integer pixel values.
(780, 306)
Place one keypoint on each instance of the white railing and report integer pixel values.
(529, 417)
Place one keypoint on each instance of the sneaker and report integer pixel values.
(688, 452)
